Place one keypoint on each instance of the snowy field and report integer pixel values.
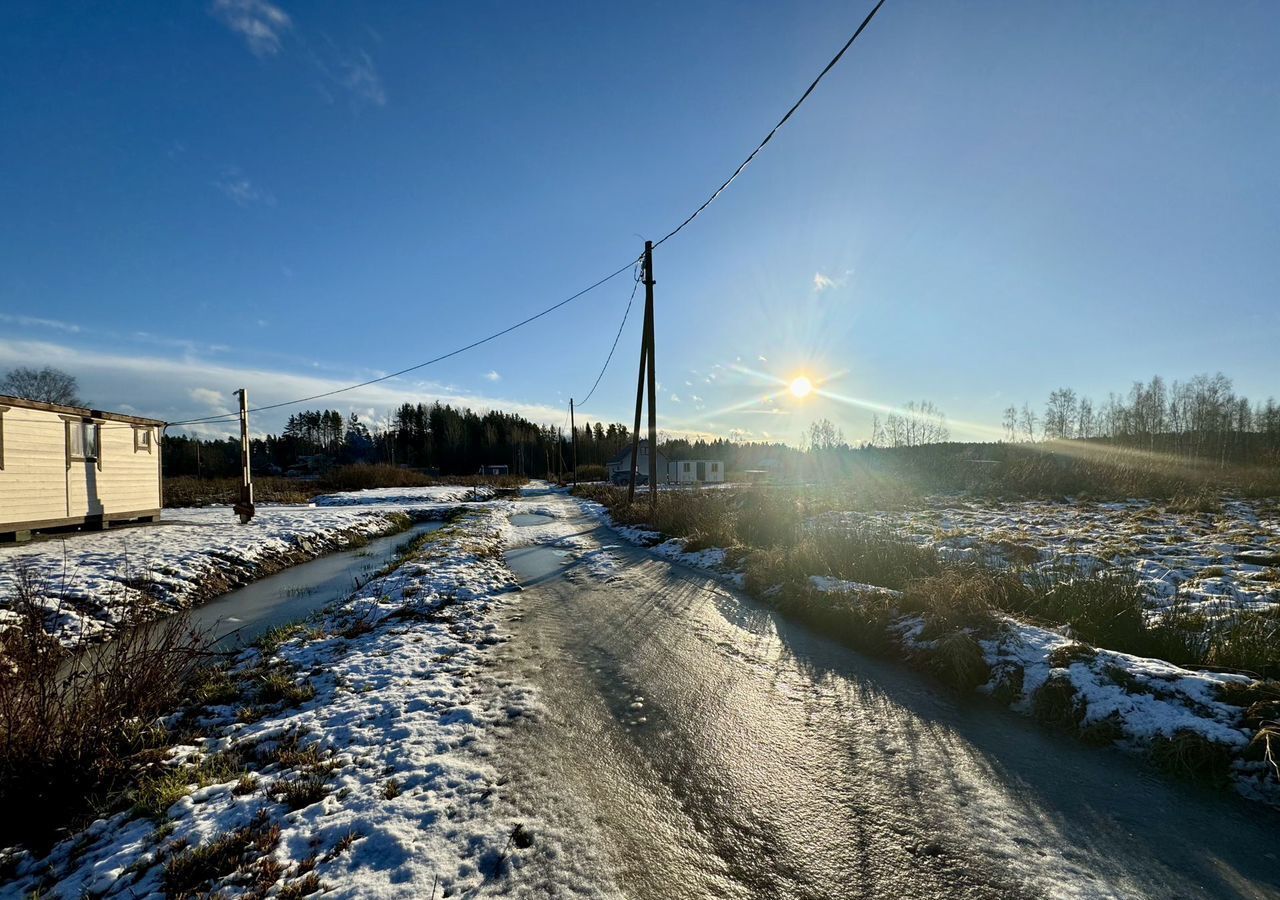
(1213, 563)
(93, 581)
(381, 784)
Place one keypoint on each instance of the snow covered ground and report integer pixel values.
(93, 581)
(1213, 562)
(379, 784)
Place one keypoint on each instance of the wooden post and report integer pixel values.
(646, 343)
(653, 391)
(573, 429)
(244, 509)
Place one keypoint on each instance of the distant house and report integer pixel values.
(620, 465)
(64, 465)
(691, 471)
(493, 470)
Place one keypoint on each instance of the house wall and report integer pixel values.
(129, 479)
(713, 471)
(37, 485)
(33, 482)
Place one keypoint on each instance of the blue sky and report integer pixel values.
(983, 202)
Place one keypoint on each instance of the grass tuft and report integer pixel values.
(1191, 755)
(958, 660)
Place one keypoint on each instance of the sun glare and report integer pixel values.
(801, 387)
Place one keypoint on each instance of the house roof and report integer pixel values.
(625, 452)
(76, 411)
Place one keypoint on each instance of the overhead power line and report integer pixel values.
(484, 340)
(616, 337)
(614, 274)
(768, 137)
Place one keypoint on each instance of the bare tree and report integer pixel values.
(1011, 423)
(1060, 414)
(824, 435)
(1027, 421)
(916, 425)
(1085, 424)
(47, 385)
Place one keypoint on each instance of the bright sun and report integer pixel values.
(801, 387)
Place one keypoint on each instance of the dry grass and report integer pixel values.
(76, 724)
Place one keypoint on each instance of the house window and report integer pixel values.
(715, 467)
(686, 466)
(84, 440)
(142, 439)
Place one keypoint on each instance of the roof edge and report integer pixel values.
(22, 403)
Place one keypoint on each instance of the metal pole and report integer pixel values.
(573, 428)
(653, 391)
(244, 509)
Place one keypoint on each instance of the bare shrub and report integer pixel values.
(76, 721)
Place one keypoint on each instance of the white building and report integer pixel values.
(695, 471)
(64, 465)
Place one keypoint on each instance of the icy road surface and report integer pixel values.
(707, 748)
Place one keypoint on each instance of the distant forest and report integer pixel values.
(436, 438)
(1201, 421)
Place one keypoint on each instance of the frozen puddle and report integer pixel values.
(527, 520)
(534, 565)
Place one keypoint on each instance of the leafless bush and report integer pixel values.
(76, 721)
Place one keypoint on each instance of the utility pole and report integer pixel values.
(244, 509)
(573, 428)
(646, 368)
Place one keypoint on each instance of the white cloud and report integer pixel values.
(36, 322)
(260, 23)
(762, 359)
(236, 185)
(826, 282)
(492, 375)
(675, 398)
(190, 387)
(215, 404)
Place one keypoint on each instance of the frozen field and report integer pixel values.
(1215, 562)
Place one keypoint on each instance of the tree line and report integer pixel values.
(1201, 418)
(436, 437)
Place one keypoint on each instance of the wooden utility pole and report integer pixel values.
(573, 430)
(244, 509)
(648, 369)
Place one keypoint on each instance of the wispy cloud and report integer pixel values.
(823, 282)
(353, 71)
(36, 322)
(237, 186)
(191, 387)
(492, 375)
(258, 22)
(361, 78)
